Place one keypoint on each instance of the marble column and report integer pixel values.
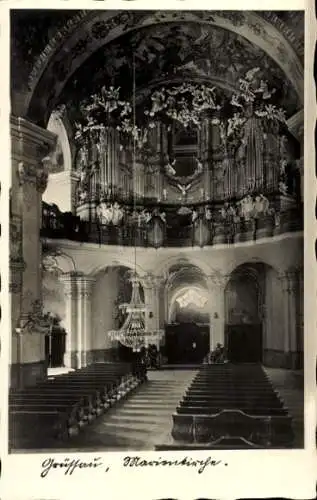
(70, 321)
(30, 147)
(217, 282)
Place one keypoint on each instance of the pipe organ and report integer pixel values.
(253, 162)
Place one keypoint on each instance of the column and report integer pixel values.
(152, 285)
(293, 310)
(285, 290)
(30, 146)
(217, 282)
(289, 280)
(84, 323)
(70, 322)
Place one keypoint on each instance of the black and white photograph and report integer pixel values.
(156, 230)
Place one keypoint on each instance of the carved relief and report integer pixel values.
(15, 239)
(33, 174)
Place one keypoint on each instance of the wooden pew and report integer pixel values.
(261, 430)
(59, 407)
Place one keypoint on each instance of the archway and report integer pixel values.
(59, 186)
(187, 331)
(244, 305)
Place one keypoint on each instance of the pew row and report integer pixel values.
(263, 431)
(232, 403)
(54, 411)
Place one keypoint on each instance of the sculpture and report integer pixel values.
(109, 214)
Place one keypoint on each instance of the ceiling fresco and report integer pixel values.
(177, 52)
(94, 47)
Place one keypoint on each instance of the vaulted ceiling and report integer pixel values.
(174, 53)
(63, 56)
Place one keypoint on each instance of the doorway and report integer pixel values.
(244, 297)
(186, 343)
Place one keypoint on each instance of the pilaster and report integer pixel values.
(217, 282)
(84, 323)
(290, 287)
(69, 281)
(152, 286)
(30, 147)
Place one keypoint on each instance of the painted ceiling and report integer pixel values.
(177, 52)
(94, 48)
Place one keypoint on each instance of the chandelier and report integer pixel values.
(133, 333)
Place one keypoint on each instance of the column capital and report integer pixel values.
(289, 278)
(29, 141)
(85, 284)
(31, 146)
(69, 281)
(150, 280)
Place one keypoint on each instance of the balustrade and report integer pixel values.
(221, 224)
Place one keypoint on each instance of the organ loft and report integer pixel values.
(156, 229)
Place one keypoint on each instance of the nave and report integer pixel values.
(173, 409)
(173, 220)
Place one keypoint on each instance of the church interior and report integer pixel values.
(156, 230)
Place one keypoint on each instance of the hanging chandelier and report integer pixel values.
(133, 333)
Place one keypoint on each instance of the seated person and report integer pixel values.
(217, 355)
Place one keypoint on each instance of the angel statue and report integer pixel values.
(104, 213)
(117, 214)
(170, 170)
(261, 205)
(157, 213)
(246, 206)
(184, 189)
(194, 215)
(208, 213)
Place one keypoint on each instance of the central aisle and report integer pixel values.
(140, 422)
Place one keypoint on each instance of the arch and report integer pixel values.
(235, 264)
(56, 125)
(180, 291)
(253, 311)
(165, 265)
(121, 262)
(86, 32)
(252, 273)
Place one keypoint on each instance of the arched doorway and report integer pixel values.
(187, 331)
(244, 314)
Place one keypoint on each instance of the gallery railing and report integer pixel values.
(58, 225)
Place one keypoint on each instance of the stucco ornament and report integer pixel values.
(34, 321)
(186, 104)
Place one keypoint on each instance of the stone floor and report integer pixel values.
(144, 419)
(139, 422)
